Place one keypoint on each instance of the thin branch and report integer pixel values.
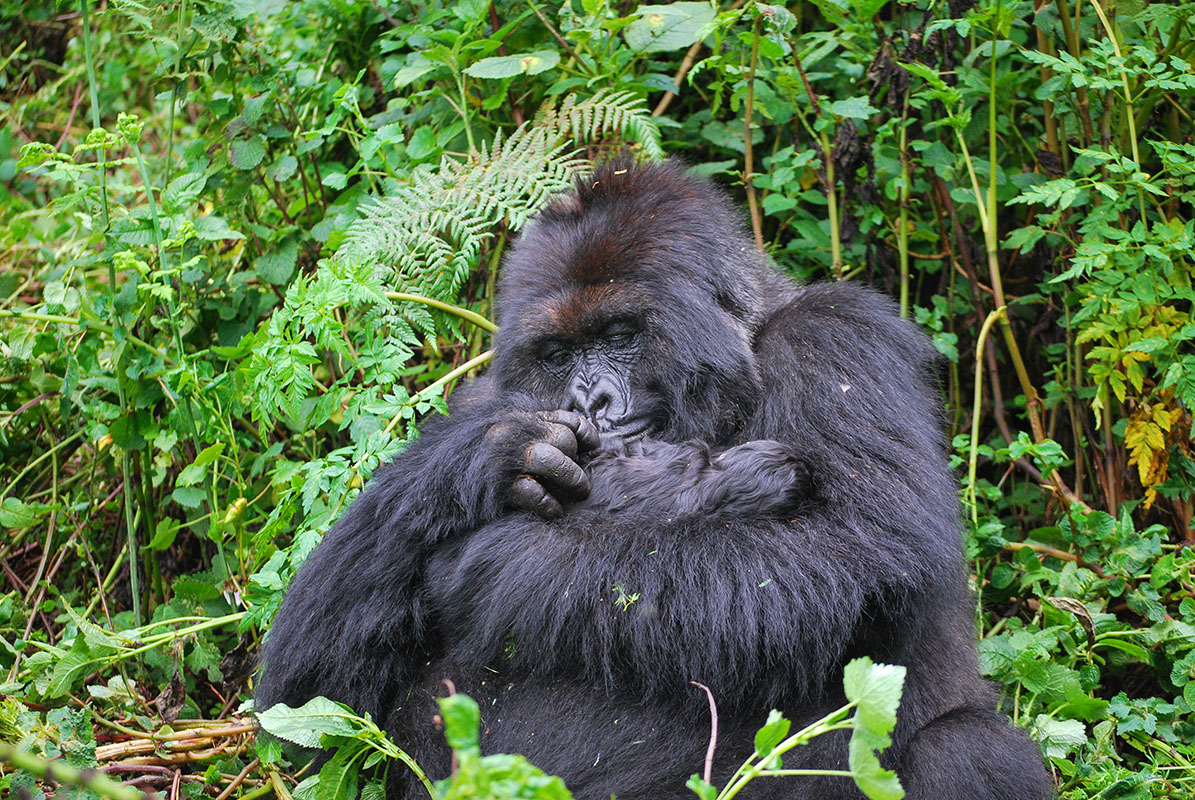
(709, 751)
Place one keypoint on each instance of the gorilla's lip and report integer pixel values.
(631, 429)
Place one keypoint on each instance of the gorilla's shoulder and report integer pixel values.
(851, 320)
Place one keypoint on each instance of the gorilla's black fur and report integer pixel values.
(770, 482)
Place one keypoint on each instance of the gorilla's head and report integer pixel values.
(635, 300)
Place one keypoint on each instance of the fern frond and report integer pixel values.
(432, 228)
(607, 112)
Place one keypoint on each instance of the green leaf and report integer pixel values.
(276, 267)
(700, 788)
(71, 668)
(772, 733)
(247, 153)
(876, 689)
(16, 514)
(337, 778)
(283, 168)
(669, 27)
(508, 66)
(309, 722)
(1059, 736)
(853, 108)
(462, 719)
(423, 143)
(195, 472)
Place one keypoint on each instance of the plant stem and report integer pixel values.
(115, 318)
(902, 232)
(463, 313)
(749, 151)
(973, 456)
(1128, 98)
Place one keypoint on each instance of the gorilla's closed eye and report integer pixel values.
(620, 334)
(555, 354)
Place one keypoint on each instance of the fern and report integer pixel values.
(606, 112)
(431, 230)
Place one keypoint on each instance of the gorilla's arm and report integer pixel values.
(755, 479)
(353, 622)
(754, 605)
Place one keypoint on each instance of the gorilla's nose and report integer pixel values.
(595, 402)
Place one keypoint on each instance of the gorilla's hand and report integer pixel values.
(759, 475)
(544, 470)
(756, 479)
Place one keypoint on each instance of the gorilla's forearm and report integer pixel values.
(649, 603)
(353, 621)
(756, 479)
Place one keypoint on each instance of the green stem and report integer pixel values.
(471, 364)
(1128, 98)
(832, 203)
(32, 316)
(973, 456)
(114, 317)
(463, 313)
(902, 232)
(749, 151)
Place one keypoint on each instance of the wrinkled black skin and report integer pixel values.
(786, 508)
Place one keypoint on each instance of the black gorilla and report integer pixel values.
(681, 466)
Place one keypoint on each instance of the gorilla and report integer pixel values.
(681, 466)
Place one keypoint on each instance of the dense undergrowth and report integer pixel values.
(247, 246)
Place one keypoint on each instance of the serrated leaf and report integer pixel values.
(247, 153)
(276, 267)
(283, 168)
(462, 721)
(772, 733)
(71, 668)
(306, 724)
(876, 689)
(669, 27)
(853, 108)
(14, 513)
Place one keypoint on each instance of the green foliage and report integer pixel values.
(873, 694)
(242, 243)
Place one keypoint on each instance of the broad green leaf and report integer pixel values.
(196, 471)
(278, 265)
(669, 27)
(247, 153)
(71, 668)
(853, 108)
(462, 719)
(1059, 736)
(305, 725)
(14, 513)
(509, 66)
(876, 689)
(772, 733)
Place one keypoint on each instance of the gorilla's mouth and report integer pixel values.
(624, 436)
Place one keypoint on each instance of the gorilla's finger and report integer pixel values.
(529, 495)
(562, 438)
(548, 464)
(586, 431)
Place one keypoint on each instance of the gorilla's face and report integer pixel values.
(596, 376)
(633, 306)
